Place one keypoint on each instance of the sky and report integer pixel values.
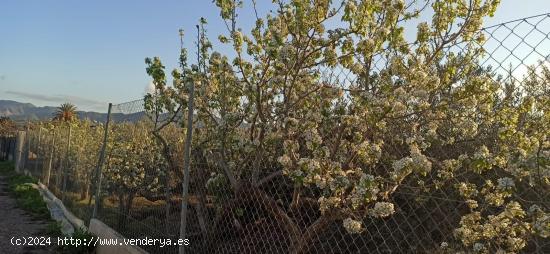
(91, 53)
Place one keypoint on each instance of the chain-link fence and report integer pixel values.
(63, 156)
(7, 148)
(243, 202)
(139, 192)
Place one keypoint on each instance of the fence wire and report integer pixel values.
(141, 190)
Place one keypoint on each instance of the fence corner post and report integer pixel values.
(19, 142)
(97, 198)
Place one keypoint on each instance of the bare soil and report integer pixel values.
(15, 222)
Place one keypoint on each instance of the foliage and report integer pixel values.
(26, 196)
(53, 229)
(134, 162)
(7, 126)
(430, 119)
(82, 236)
(66, 112)
(134, 165)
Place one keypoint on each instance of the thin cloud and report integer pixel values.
(57, 99)
(150, 88)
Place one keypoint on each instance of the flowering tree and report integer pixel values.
(430, 120)
(84, 154)
(134, 166)
(7, 126)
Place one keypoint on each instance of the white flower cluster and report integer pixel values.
(309, 169)
(286, 52)
(398, 165)
(467, 128)
(472, 203)
(352, 226)
(417, 162)
(495, 195)
(541, 223)
(478, 247)
(505, 184)
(399, 108)
(312, 138)
(505, 229)
(326, 204)
(284, 160)
(448, 168)
(365, 191)
(432, 130)
(369, 152)
(401, 168)
(382, 210)
(366, 46)
(467, 190)
(421, 163)
(482, 153)
(400, 93)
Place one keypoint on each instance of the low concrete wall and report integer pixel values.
(103, 231)
(69, 222)
(75, 221)
(58, 211)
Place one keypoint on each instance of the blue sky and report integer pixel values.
(92, 52)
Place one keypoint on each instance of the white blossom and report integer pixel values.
(505, 183)
(478, 247)
(382, 209)
(352, 226)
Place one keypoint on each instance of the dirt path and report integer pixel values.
(15, 222)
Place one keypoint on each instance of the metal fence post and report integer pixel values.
(100, 164)
(186, 165)
(50, 160)
(37, 152)
(27, 148)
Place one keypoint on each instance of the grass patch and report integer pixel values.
(53, 229)
(26, 197)
(30, 200)
(83, 237)
(6, 167)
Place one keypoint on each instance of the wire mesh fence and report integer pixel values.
(241, 200)
(139, 198)
(7, 148)
(63, 156)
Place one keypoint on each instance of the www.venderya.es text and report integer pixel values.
(96, 241)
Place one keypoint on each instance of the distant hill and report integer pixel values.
(19, 111)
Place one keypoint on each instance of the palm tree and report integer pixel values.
(66, 112)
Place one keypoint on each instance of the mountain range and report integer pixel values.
(20, 111)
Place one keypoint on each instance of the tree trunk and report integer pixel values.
(172, 168)
(307, 239)
(251, 193)
(167, 201)
(300, 242)
(125, 204)
(85, 190)
(121, 217)
(201, 192)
